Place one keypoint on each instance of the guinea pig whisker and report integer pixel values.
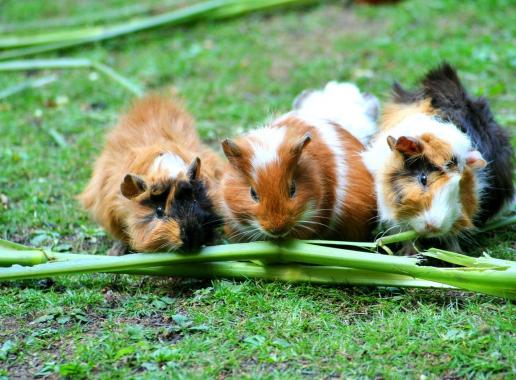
(246, 233)
(312, 222)
(385, 232)
(306, 228)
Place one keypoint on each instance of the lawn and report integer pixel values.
(233, 74)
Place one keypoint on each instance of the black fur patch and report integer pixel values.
(412, 169)
(473, 116)
(194, 211)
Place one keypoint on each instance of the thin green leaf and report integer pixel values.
(28, 84)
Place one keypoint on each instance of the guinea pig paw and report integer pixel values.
(118, 249)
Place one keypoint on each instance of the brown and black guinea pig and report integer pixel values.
(441, 163)
(154, 186)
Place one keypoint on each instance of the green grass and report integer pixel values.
(233, 74)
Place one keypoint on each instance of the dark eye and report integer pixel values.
(160, 212)
(422, 179)
(254, 195)
(292, 189)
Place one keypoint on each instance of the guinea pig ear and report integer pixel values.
(232, 152)
(475, 160)
(300, 145)
(132, 186)
(194, 169)
(407, 145)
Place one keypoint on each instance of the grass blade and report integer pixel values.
(25, 85)
(71, 63)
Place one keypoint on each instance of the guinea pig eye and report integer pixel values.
(292, 189)
(160, 212)
(422, 179)
(254, 195)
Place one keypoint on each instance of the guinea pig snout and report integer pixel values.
(192, 236)
(431, 228)
(275, 230)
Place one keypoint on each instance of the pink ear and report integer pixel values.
(475, 160)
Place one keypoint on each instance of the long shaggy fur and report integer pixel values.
(472, 116)
(141, 191)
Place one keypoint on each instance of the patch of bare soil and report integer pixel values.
(304, 41)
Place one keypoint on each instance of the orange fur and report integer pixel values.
(315, 175)
(152, 127)
(394, 113)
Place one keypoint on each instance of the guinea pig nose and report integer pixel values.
(278, 230)
(430, 227)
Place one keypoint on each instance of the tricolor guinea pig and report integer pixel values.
(302, 175)
(441, 163)
(154, 185)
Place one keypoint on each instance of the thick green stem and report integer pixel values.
(504, 281)
(290, 272)
(249, 251)
(25, 258)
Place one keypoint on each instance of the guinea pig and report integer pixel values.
(441, 163)
(149, 189)
(302, 175)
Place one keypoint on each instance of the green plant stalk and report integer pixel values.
(239, 7)
(68, 38)
(396, 238)
(71, 63)
(99, 33)
(497, 282)
(17, 254)
(12, 254)
(89, 18)
(248, 251)
(289, 273)
(485, 261)
(379, 243)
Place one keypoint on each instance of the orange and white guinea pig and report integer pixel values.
(148, 188)
(302, 175)
(441, 163)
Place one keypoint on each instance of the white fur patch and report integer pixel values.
(170, 163)
(444, 210)
(379, 153)
(265, 143)
(343, 104)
